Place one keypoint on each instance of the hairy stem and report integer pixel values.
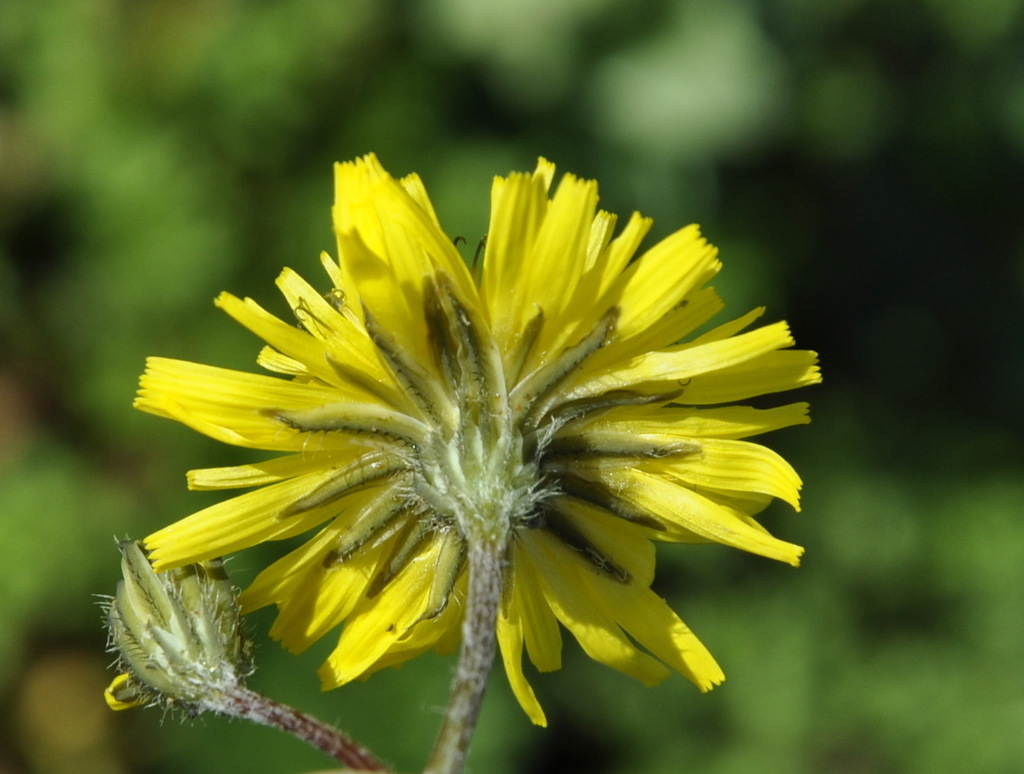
(486, 568)
(240, 702)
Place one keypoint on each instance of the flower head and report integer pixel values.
(552, 399)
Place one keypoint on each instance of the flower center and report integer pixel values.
(470, 458)
(475, 470)
(484, 487)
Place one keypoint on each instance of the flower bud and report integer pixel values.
(178, 634)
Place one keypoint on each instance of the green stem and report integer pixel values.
(479, 638)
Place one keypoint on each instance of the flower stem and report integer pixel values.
(241, 702)
(486, 568)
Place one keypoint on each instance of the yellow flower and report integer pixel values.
(548, 399)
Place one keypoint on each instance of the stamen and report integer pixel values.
(309, 321)
(336, 298)
(476, 265)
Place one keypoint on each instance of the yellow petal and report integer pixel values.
(672, 423)
(518, 207)
(553, 267)
(579, 314)
(576, 608)
(733, 466)
(538, 623)
(621, 249)
(377, 259)
(346, 339)
(287, 339)
(267, 472)
(272, 360)
(415, 228)
(228, 405)
(431, 634)
(278, 580)
(510, 641)
(677, 365)
(119, 687)
(277, 584)
(661, 278)
(354, 211)
(601, 230)
(622, 543)
(243, 521)
(769, 373)
(680, 508)
(652, 623)
(376, 279)
(633, 606)
(388, 241)
(377, 625)
(676, 324)
(725, 330)
(323, 598)
(413, 186)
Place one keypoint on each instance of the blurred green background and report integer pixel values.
(859, 162)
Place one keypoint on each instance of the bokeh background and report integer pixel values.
(859, 162)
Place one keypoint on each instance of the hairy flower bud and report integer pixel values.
(177, 633)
